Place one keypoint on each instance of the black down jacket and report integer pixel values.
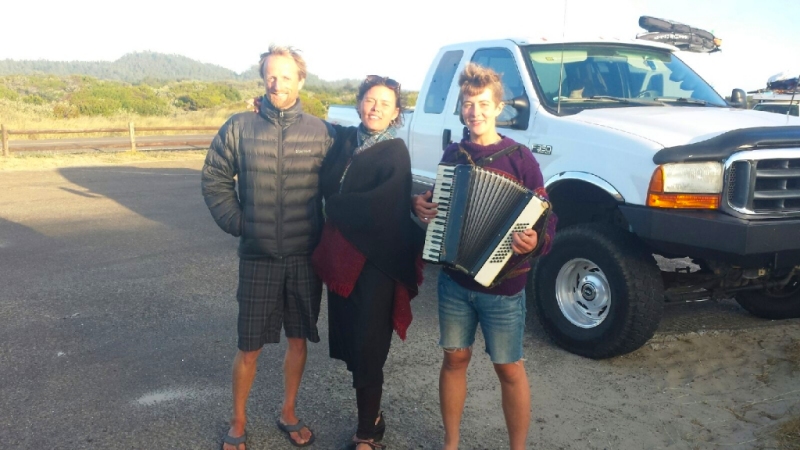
(276, 156)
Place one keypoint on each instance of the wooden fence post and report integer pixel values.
(133, 137)
(6, 151)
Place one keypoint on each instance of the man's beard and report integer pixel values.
(281, 103)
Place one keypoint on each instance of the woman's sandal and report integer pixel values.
(380, 428)
(372, 444)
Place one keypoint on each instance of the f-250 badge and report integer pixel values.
(541, 149)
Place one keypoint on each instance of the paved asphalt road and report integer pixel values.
(118, 327)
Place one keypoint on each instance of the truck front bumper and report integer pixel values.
(714, 231)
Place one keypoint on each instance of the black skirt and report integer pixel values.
(360, 326)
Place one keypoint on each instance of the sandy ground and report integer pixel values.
(682, 390)
(712, 377)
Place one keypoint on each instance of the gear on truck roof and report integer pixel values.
(680, 35)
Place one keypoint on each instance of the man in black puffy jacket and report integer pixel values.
(275, 155)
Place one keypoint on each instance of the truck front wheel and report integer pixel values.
(773, 304)
(598, 293)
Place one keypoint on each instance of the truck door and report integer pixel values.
(502, 61)
(428, 139)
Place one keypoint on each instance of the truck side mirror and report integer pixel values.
(523, 107)
(738, 99)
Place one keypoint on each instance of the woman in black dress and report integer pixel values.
(367, 256)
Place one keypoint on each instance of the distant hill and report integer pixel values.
(135, 67)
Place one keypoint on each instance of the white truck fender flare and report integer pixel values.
(587, 178)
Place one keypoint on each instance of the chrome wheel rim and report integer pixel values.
(583, 293)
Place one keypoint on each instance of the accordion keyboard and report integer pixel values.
(434, 238)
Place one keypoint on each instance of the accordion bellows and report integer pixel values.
(478, 210)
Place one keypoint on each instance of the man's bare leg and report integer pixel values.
(244, 372)
(516, 402)
(294, 364)
(453, 393)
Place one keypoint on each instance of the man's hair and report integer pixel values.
(476, 78)
(287, 51)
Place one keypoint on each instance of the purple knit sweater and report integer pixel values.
(521, 165)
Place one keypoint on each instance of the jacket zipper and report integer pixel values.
(279, 193)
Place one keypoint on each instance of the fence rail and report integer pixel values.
(131, 130)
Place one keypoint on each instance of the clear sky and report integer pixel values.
(352, 38)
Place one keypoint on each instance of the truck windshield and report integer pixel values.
(592, 74)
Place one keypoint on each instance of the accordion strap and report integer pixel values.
(488, 159)
(506, 151)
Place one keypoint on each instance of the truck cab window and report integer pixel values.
(503, 62)
(441, 82)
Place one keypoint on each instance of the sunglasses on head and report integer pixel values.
(385, 81)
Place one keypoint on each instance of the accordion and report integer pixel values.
(478, 209)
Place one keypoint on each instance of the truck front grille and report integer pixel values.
(764, 183)
(777, 185)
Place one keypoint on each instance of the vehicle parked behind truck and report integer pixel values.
(640, 157)
(785, 108)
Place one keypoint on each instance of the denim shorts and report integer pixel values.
(501, 317)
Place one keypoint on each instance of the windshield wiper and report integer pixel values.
(687, 101)
(631, 101)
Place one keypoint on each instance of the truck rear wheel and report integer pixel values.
(598, 293)
(773, 304)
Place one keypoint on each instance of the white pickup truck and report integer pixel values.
(640, 157)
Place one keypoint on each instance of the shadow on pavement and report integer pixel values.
(152, 193)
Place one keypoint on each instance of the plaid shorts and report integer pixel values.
(273, 293)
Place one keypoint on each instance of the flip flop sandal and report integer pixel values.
(288, 429)
(234, 441)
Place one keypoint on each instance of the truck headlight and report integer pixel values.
(686, 185)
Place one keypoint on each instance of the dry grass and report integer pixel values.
(49, 161)
(17, 115)
(789, 435)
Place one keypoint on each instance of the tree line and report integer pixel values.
(143, 66)
(150, 84)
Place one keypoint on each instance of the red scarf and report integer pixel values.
(339, 263)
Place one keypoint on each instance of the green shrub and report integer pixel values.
(46, 82)
(108, 98)
(34, 99)
(196, 96)
(8, 93)
(312, 105)
(65, 111)
(410, 98)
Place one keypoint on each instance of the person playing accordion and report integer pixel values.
(464, 303)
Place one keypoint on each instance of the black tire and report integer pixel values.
(773, 304)
(631, 275)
